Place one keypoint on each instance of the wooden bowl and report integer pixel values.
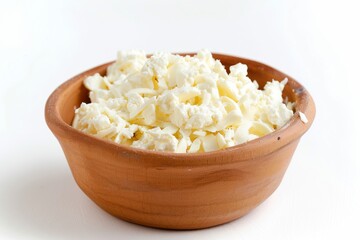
(178, 190)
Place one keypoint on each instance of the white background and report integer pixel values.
(42, 44)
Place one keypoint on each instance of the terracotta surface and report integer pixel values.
(178, 191)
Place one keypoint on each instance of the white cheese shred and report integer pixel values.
(303, 117)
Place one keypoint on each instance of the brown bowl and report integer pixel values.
(178, 190)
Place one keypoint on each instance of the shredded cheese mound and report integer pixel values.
(167, 102)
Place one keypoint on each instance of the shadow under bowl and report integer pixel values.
(172, 190)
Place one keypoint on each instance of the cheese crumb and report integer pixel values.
(303, 117)
(167, 102)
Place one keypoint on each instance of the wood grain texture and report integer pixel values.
(178, 191)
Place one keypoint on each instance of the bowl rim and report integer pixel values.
(291, 131)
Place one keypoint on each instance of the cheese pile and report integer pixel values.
(179, 104)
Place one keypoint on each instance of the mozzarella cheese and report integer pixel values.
(180, 104)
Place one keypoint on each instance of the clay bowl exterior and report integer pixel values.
(172, 190)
